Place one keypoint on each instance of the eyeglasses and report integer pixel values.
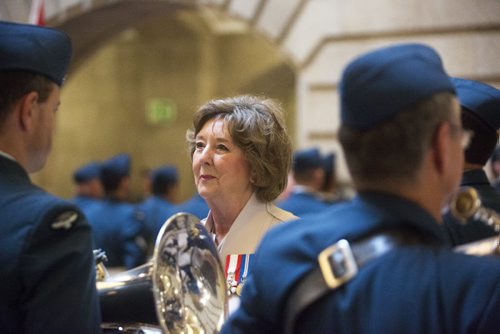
(465, 135)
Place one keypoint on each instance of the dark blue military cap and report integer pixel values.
(164, 174)
(481, 99)
(31, 48)
(380, 84)
(87, 172)
(481, 114)
(117, 166)
(307, 159)
(163, 179)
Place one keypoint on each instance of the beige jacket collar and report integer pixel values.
(251, 224)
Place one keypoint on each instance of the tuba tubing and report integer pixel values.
(466, 204)
(182, 289)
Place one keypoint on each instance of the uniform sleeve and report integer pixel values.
(252, 315)
(246, 319)
(58, 274)
(278, 264)
(489, 320)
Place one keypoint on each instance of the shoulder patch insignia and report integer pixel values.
(65, 220)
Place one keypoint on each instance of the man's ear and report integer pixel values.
(26, 110)
(441, 146)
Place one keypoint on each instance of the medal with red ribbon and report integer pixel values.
(237, 269)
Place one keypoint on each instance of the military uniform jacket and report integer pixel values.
(474, 230)
(422, 288)
(118, 232)
(84, 203)
(47, 270)
(153, 212)
(301, 202)
(252, 223)
(196, 205)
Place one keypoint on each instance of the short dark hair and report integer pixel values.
(110, 181)
(16, 84)
(305, 175)
(162, 186)
(257, 127)
(394, 150)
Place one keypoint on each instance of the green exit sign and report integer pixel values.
(160, 111)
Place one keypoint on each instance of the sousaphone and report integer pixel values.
(466, 204)
(182, 289)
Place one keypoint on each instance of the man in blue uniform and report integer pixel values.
(480, 105)
(47, 270)
(115, 228)
(332, 191)
(158, 207)
(308, 170)
(380, 263)
(88, 186)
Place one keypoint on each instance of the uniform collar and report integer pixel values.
(301, 189)
(9, 163)
(400, 212)
(253, 205)
(8, 156)
(474, 177)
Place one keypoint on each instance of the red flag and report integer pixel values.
(37, 12)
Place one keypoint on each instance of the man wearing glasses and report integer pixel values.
(480, 113)
(380, 263)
